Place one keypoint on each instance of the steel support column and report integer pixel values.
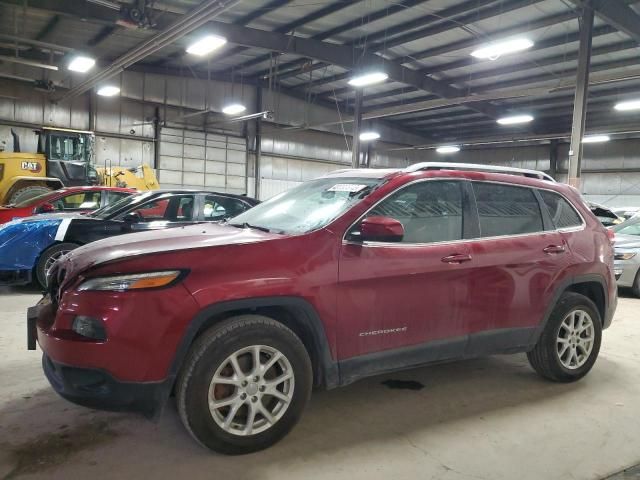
(258, 147)
(357, 120)
(581, 95)
(553, 158)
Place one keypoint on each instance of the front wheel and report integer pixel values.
(570, 342)
(48, 258)
(244, 384)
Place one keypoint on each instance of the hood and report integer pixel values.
(145, 243)
(627, 241)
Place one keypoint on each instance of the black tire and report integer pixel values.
(49, 253)
(635, 289)
(545, 359)
(210, 352)
(26, 193)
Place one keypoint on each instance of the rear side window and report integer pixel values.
(507, 210)
(429, 211)
(562, 213)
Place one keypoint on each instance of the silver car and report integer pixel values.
(627, 254)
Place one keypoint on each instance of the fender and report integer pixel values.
(561, 288)
(326, 370)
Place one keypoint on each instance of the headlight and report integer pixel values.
(136, 281)
(625, 256)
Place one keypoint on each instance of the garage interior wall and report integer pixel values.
(213, 155)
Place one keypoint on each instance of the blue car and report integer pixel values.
(30, 246)
(23, 240)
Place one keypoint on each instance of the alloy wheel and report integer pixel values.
(575, 339)
(251, 390)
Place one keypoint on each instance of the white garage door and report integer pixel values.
(202, 160)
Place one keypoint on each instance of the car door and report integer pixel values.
(393, 295)
(516, 260)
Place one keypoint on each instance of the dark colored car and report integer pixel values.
(354, 274)
(607, 217)
(30, 246)
(71, 199)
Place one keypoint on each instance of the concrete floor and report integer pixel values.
(485, 419)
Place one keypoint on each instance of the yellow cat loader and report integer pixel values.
(64, 158)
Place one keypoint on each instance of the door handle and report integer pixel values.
(554, 249)
(457, 258)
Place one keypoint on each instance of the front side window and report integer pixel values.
(562, 213)
(172, 209)
(309, 206)
(429, 211)
(506, 210)
(78, 201)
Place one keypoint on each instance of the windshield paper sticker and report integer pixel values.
(347, 187)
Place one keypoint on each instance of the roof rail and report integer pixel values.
(478, 167)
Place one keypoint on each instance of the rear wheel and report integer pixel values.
(244, 384)
(570, 342)
(48, 258)
(26, 193)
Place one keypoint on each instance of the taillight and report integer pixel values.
(45, 208)
(611, 235)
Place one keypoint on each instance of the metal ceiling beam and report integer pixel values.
(184, 25)
(104, 33)
(243, 20)
(616, 13)
(48, 28)
(383, 13)
(521, 28)
(289, 27)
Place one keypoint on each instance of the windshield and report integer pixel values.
(631, 227)
(307, 207)
(112, 209)
(29, 202)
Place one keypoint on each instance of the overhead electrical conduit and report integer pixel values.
(185, 25)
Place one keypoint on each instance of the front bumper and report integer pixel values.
(626, 271)
(97, 389)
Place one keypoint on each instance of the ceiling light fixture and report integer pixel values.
(81, 64)
(108, 91)
(448, 149)
(515, 119)
(628, 105)
(206, 45)
(369, 136)
(366, 79)
(596, 139)
(233, 109)
(495, 50)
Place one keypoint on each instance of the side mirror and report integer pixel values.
(45, 208)
(131, 217)
(381, 229)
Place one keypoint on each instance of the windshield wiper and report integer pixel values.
(248, 225)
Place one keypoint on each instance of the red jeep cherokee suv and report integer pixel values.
(353, 274)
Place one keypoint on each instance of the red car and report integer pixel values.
(69, 199)
(354, 274)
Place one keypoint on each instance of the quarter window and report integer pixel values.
(562, 213)
(429, 211)
(506, 210)
(220, 208)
